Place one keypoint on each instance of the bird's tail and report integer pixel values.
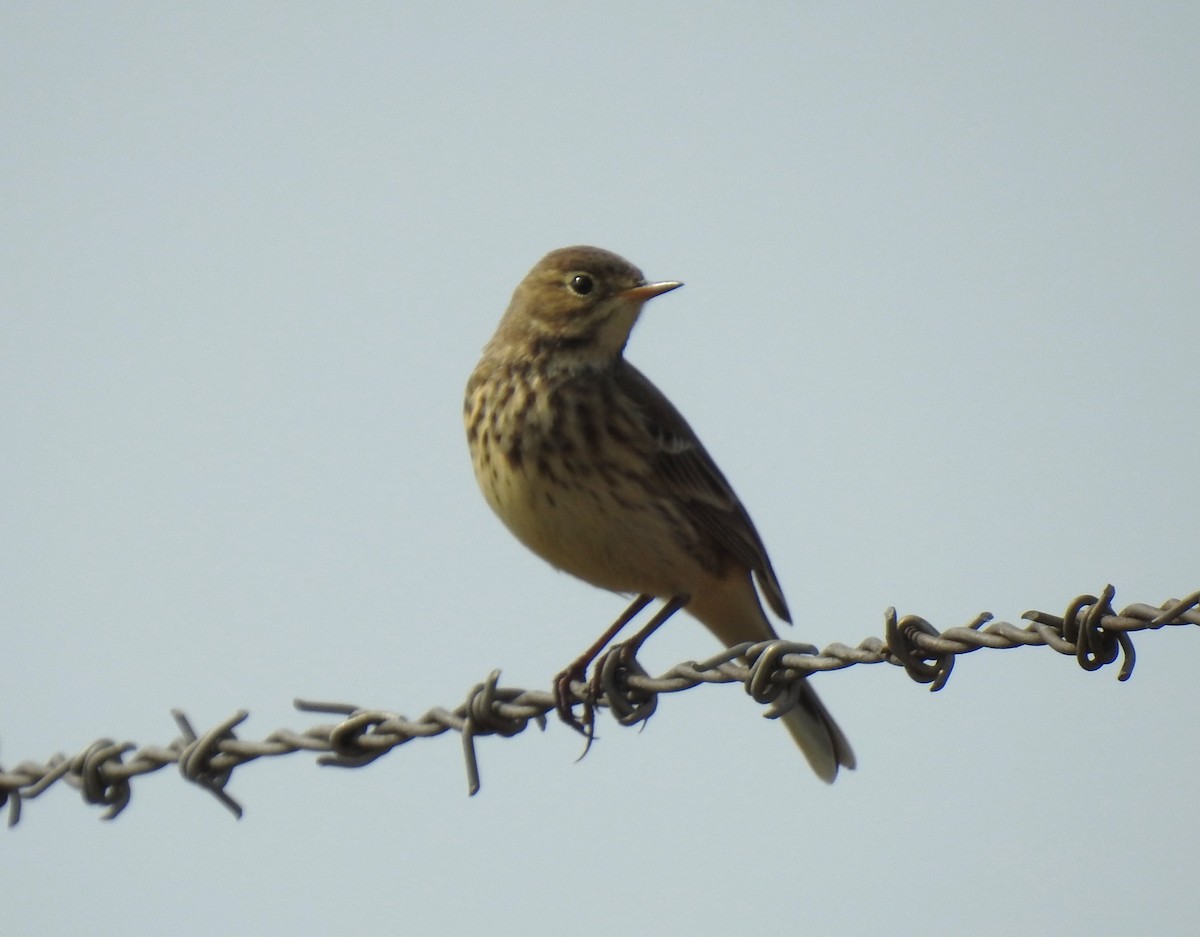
(730, 609)
(822, 742)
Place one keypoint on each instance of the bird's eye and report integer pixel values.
(581, 284)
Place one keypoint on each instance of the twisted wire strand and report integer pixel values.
(771, 671)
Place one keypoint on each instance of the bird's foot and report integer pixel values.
(565, 700)
(610, 681)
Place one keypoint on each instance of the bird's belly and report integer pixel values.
(613, 537)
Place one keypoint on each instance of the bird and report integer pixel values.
(593, 469)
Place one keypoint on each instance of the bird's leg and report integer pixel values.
(627, 651)
(630, 648)
(578, 670)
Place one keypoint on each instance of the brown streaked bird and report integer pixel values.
(594, 470)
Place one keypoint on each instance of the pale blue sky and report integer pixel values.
(940, 329)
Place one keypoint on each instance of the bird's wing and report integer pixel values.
(685, 467)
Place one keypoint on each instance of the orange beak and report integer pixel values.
(639, 294)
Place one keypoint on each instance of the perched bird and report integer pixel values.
(594, 470)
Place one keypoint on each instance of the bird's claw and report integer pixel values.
(565, 700)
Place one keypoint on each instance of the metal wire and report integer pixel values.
(1090, 630)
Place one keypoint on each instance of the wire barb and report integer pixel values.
(771, 671)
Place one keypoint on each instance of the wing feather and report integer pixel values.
(688, 472)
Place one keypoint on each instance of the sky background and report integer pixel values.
(940, 330)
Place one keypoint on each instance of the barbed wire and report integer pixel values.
(771, 671)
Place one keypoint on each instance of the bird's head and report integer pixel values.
(578, 303)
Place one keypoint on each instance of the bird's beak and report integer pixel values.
(639, 294)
